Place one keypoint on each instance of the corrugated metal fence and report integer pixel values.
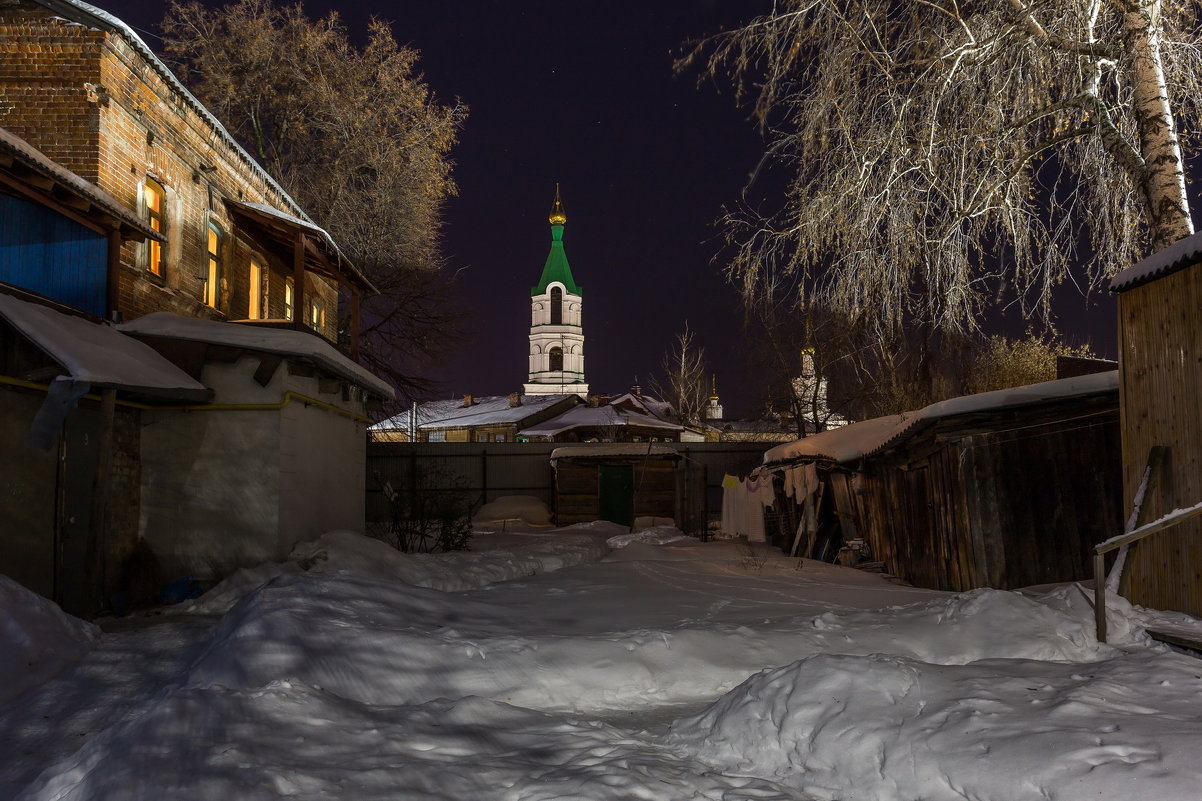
(488, 471)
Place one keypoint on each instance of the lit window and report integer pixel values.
(258, 291)
(438, 436)
(155, 198)
(212, 288)
(556, 360)
(501, 437)
(556, 306)
(289, 289)
(481, 437)
(317, 315)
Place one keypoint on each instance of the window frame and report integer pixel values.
(553, 355)
(214, 265)
(156, 219)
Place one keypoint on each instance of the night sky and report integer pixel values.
(584, 95)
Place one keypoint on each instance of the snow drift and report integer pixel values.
(37, 639)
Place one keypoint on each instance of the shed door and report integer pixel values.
(616, 488)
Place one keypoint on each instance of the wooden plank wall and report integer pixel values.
(577, 498)
(1160, 353)
(915, 521)
(1013, 507)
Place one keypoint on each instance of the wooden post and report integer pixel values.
(1099, 595)
(113, 276)
(355, 301)
(299, 310)
(102, 489)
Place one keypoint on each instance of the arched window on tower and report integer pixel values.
(556, 354)
(556, 306)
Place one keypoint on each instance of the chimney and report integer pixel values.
(515, 399)
(468, 400)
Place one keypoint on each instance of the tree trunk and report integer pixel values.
(1164, 180)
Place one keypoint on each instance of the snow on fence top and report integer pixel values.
(862, 439)
(612, 449)
(1176, 256)
(285, 342)
(96, 353)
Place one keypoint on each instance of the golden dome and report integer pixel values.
(557, 214)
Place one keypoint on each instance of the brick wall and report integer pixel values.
(91, 102)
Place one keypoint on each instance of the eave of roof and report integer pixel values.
(1174, 258)
(38, 162)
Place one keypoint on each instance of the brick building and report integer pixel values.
(83, 88)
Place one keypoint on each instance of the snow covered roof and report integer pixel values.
(39, 162)
(595, 416)
(858, 440)
(268, 340)
(98, 354)
(92, 16)
(1176, 256)
(657, 408)
(484, 411)
(612, 449)
(258, 211)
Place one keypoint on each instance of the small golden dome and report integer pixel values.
(557, 214)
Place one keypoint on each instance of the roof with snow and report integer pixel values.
(285, 342)
(595, 417)
(1175, 257)
(855, 441)
(607, 449)
(36, 161)
(484, 411)
(98, 354)
(98, 18)
(644, 403)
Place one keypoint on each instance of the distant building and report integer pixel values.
(494, 418)
(713, 409)
(556, 329)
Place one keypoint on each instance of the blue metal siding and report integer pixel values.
(45, 252)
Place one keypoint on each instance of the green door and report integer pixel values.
(616, 488)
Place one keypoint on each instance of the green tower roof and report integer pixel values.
(556, 268)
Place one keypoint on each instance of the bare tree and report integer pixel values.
(943, 155)
(353, 134)
(1001, 362)
(686, 379)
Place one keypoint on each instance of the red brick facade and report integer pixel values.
(94, 103)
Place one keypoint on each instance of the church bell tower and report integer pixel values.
(556, 333)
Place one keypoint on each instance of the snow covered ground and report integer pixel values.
(586, 663)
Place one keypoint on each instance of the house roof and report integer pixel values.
(96, 353)
(645, 403)
(94, 17)
(595, 417)
(485, 411)
(285, 342)
(98, 202)
(1175, 257)
(855, 441)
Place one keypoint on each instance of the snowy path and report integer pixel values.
(659, 672)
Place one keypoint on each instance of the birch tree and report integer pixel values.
(943, 156)
(685, 379)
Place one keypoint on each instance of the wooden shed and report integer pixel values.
(1003, 489)
(1160, 357)
(615, 482)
